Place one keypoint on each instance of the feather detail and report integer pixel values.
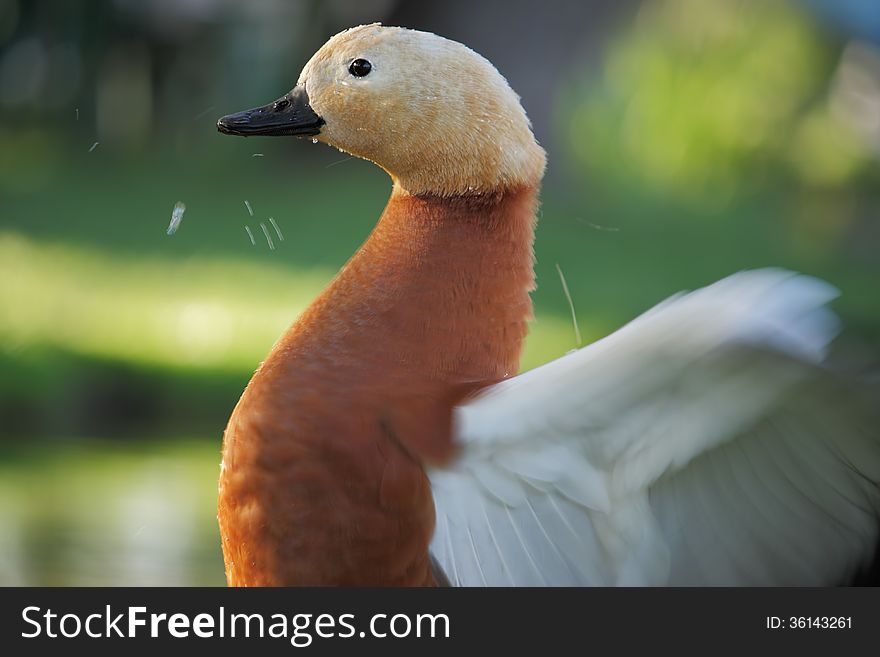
(703, 443)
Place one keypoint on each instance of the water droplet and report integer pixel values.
(314, 141)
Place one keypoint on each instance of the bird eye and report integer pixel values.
(360, 67)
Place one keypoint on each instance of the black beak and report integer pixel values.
(289, 115)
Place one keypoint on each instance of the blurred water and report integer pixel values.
(100, 514)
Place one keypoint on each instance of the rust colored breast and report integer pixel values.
(322, 479)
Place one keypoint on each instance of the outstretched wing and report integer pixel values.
(703, 443)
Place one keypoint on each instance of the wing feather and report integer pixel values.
(703, 443)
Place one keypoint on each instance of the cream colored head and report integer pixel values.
(438, 117)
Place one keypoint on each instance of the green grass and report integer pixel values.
(196, 312)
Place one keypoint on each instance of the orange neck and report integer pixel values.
(360, 391)
(443, 283)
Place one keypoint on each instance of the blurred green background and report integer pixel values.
(688, 139)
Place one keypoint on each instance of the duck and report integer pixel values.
(388, 440)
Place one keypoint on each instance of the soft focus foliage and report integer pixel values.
(702, 100)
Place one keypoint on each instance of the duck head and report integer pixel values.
(438, 117)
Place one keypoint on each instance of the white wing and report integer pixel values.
(700, 444)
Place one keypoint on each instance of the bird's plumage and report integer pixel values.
(700, 444)
(706, 442)
(438, 117)
(323, 480)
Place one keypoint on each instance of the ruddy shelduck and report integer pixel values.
(386, 439)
